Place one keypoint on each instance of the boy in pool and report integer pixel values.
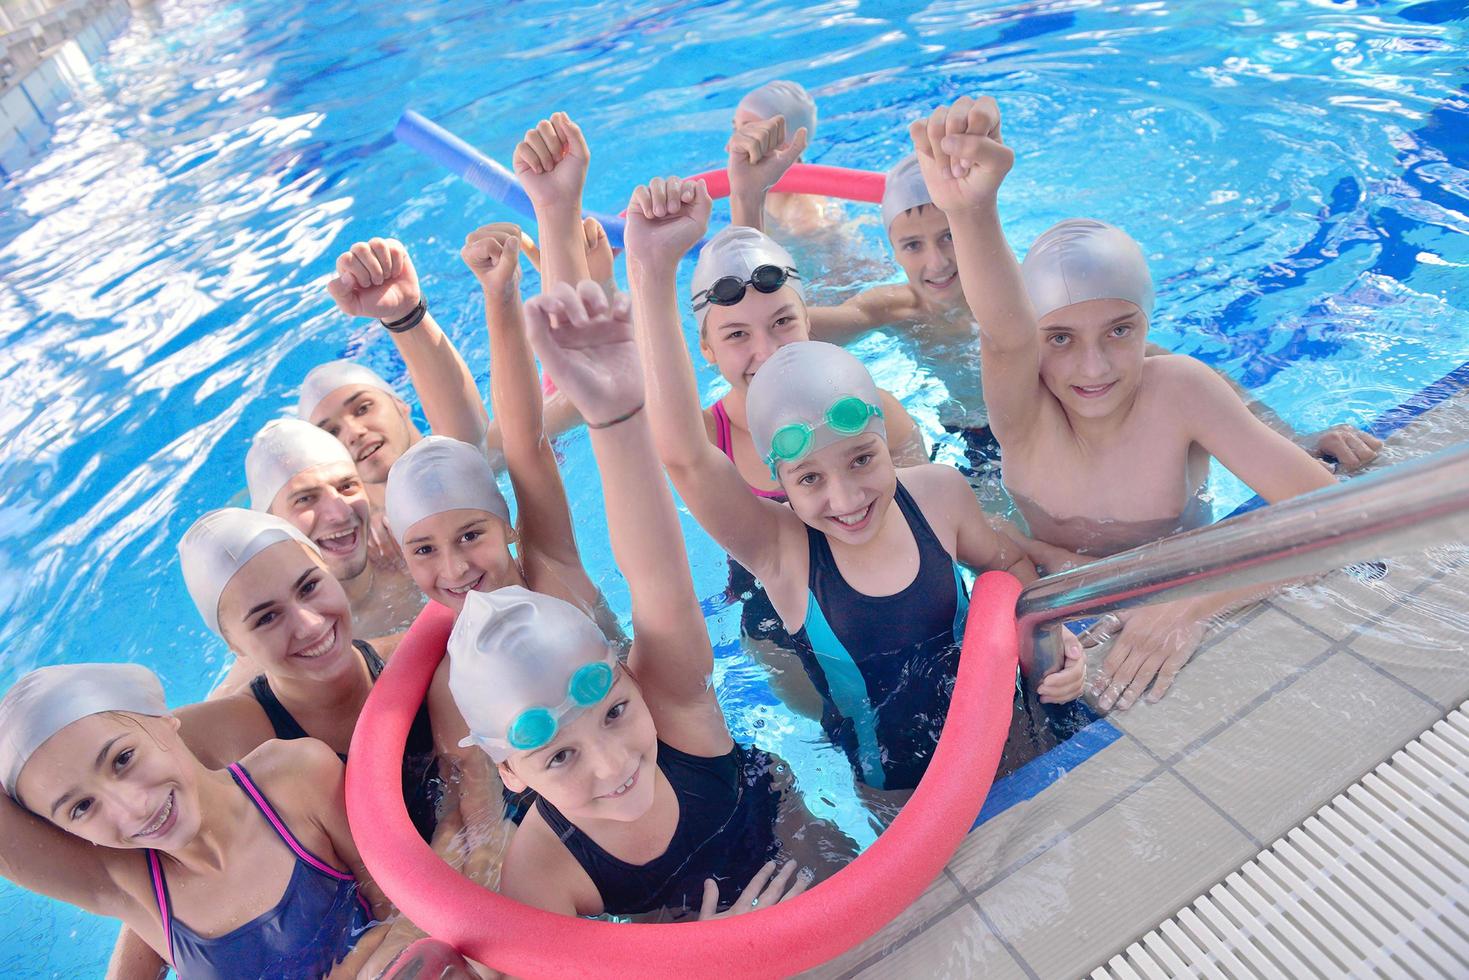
(641, 794)
(861, 567)
(795, 215)
(376, 279)
(1103, 447)
(932, 302)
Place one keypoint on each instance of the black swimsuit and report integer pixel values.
(422, 787)
(726, 831)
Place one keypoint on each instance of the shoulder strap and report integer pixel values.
(721, 429)
(263, 805)
(374, 662)
(282, 722)
(160, 892)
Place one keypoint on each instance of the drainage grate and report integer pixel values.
(1376, 883)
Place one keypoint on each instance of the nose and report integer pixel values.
(765, 344)
(606, 761)
(844, 496)
(1094, 364)
(130, 804)
(333, 509)
(351, 432)
(452, 565)
(307, 622)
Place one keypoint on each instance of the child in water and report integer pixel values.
(244, 872)
(861, 567)
(1103, 448)
(641, 794)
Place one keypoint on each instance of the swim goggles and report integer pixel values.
(536, 726)
(729, 290)
(847, 415)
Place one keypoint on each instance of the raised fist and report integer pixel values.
(375, 278)
(665, 218)
(961, 154)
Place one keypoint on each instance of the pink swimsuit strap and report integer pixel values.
(724, 439)
(258, 798)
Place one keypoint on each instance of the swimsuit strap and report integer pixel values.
(374, 662)
(258, 798)
(160, 892)
(721, 429)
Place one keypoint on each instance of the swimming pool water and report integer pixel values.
(1296, 174)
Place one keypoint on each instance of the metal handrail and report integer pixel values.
(1403, 508)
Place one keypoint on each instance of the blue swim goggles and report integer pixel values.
(535, 727)
(847, 415)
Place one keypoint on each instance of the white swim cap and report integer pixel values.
(800, 384)
(436, 475)
(326, 378)
(782, 98)
(284, 448)
(738, 251)
(1081, 259)
(513, 651)
(48, 699)
(220, 543)
(903, 190)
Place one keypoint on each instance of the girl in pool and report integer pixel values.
(263, 587)
(443, 504)
(1103, 448)
(641, 794)
(247, 872)
(799, 215)
(861, 567)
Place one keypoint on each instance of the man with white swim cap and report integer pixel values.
(769, 122)
(376, 279)
(1104, 448)
(303, 475)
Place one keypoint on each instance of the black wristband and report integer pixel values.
(621, 418)
(414, 318)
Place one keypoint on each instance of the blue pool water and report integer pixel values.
(1297, 176)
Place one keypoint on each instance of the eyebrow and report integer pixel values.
(96, 764)
(270, 602)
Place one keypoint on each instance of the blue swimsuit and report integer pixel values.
(885, 665)
(315, 924)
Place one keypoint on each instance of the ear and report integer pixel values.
(704, 347)
(507, 776)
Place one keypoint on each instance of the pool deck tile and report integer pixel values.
(1222, 680)
(959, 944)
(939, 900)
(1006, 842)
(1305, 744)
(1115, 877)
(1425, 643)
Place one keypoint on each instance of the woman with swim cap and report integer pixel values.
(641, 794)
(444, 507)
(244, 872)
(1104, 449)
(264, 588)
(861, 568)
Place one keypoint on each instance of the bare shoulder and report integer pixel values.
(896, 301)
(294, 762)
(539, 871)
(222, 731)
(934, 483)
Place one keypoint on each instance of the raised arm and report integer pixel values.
(868, 310)
(759, 155)
(964, 161)
(377, 279)
(493, 255)
(551, 162)
(664, 220)
(587, 341)
(41, 857)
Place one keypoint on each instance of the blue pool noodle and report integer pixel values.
(463, 160)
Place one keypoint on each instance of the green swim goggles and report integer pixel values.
(536, 726)
(847, 415)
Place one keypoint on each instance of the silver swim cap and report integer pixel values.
(522, 663)
(436, 475)
(810, 388)
(48, 699)
(326, 378)
(903, 190)
(1081, 259)
(220, 543)
(738, 251)
(284, 448)
(782, 98)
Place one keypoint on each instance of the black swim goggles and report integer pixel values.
(729, 290)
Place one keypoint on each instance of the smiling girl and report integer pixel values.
(242, 872)
(861, 567)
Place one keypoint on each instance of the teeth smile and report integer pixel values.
(851, 520)
(625, 786)
(320, 646)
(465, 589)
(159, 820)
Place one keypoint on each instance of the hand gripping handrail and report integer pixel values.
(1403, 508)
